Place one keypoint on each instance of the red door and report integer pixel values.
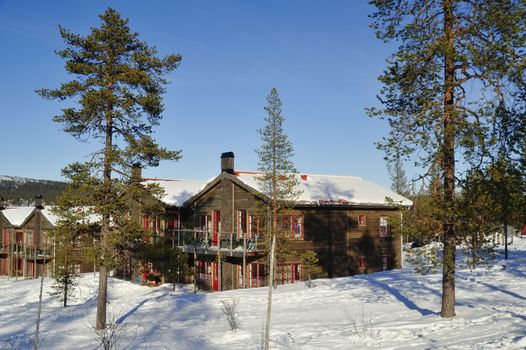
(215, 280)
(217, 226)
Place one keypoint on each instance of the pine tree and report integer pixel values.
(455, 62)
(75, 227)
(278, 181)
(311, 268)
(66, 277)
(117, 87)
(395, 169)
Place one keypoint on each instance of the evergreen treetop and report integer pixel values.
(275, 154)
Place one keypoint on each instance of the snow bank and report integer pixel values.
(388, 310)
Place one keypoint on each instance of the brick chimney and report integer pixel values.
(227, 162)
(38, 202)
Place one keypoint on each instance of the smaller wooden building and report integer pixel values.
(26, 245)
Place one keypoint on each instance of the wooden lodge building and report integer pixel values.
(26, 244)
(345, 220)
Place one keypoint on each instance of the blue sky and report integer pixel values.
(321, 56)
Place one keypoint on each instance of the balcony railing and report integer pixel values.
(209, 242)
(28, 252)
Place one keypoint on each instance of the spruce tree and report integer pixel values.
(279, 183)
(117, 89)
(310, 266)
(456, 60)
(395, 169)
(66, 277)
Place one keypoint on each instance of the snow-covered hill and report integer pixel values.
(22, 191)
(388, 310)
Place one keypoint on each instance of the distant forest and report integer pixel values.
(22, 191)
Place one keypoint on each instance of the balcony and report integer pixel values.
(27, 252)
(209, 243)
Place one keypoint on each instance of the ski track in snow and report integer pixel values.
(389, 310)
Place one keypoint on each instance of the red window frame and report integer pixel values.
(216, 217)
(384, 227)
(152, 224)
(291, 272)
(5, 240)
(217, 221)
(205, 223)
(204, 268)
(171, 222)
(362, 220)
(297, 226)
(241, 223)
(293, 223)
(256, 273)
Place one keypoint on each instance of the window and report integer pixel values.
(20, 237)
(151, 222)
(385, 262)
(294, 224)
(384, 232)
(204, 269)
(241, 223)
(361, 220)
(171, 223)
(362, 264)
(217, 221)
(297, 226)
(205, 223)
(290, 272)
(151, 226)
(30, 238)
(256, 272)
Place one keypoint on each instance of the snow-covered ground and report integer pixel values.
(388, 310)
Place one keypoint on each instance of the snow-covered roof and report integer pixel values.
(334, 190)
(176, 192)
(53, 218)
(17, 215)
(50, 216)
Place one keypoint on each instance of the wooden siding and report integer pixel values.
(333, 232)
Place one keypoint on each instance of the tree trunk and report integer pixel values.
(102, 299)
(505, 211)
(66, 281)
(103, 272)
(448, 158)
(37, 330)
(270, 287)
